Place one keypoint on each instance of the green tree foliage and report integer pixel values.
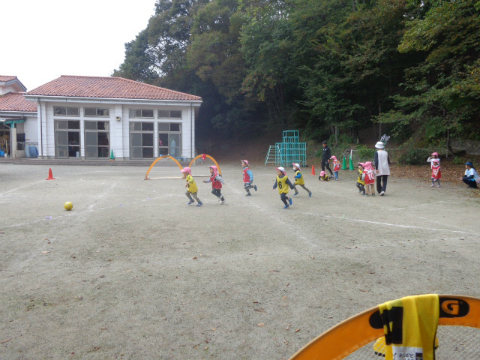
(139, 61)
(327, 67)
(440, 94)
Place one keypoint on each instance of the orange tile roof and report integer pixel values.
(107, 87)
(5, 78)
(16, 102)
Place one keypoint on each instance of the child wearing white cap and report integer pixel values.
(283, 185)
(299, 180)
(247, 178)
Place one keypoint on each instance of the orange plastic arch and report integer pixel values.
(160, 158)
(211, 158)
(357, 331)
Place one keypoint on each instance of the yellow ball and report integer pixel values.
(68, 205)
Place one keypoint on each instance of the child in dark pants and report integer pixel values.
(360, 181)
(217, 182)
(284, 185)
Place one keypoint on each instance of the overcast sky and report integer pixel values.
(40, 40)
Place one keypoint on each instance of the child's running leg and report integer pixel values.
(438, 183)
(433, 182)
(306, 189)
(199, 202)
(336, 175)
(286, 200)
(247, 186)
(189, 195)
(218, 193)
(295, 189)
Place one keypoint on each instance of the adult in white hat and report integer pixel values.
(382, 167)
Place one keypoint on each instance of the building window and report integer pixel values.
(175, 114)
(141, 140)
(98, 112)
(97, 139)
(66, 111)
(67, 138)
(141, 113)
(169, 139)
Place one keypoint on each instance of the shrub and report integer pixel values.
(414, 156)
(365, 153)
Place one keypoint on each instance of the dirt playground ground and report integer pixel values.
(132, 272)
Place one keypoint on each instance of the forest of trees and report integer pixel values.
(322, 66)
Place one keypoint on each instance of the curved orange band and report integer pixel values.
(211, 158)
(156, 160)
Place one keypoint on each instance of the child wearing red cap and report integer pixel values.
(191, 186)
(247, 178)
(283, 185)
(217, 182)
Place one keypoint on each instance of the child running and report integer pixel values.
(217, 182)
(191, 187)
(283, 185)
(336, 166)
(369, 178)
(360, 181)
(299, 180)
(247, 178)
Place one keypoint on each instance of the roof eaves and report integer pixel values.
(33, 97)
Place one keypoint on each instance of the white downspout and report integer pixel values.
(39, 112)
(192, 150)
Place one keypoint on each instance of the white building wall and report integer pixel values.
(119, 121)
(30, 128)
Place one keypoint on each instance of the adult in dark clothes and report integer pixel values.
(326, 155)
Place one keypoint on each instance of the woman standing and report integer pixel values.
(382, 167)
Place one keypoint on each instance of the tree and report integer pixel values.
(440, 95)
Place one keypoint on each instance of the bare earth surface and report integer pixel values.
(132, 272)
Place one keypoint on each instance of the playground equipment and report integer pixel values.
(203, 156)
(291, 150)
(363, 336)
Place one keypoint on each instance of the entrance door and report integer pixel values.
(67, 138)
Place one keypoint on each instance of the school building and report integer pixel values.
(83, 117)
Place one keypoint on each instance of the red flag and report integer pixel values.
(204, 157)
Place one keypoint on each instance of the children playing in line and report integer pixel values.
(369, 178)
(283, 185)
(299, 180)
(217, 182)
(247, 178)
(360, 181)
(323, 176)
(191, 186)
(336, 166)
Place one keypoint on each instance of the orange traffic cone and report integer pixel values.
(50, 175)
(313, 170)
